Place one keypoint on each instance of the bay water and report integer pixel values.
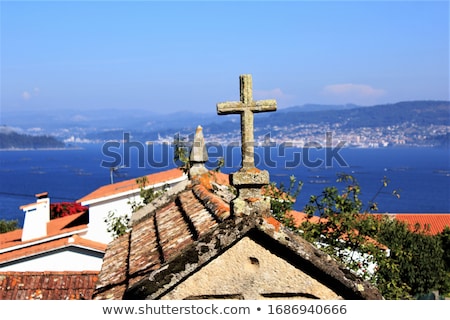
(421, 176)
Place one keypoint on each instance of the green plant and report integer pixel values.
(181, 153)
(147, 195)
(8, 225)
(342, 230)
(220, 164)
(417, 259)
(402, 263)
(282, 199)
(117, 225)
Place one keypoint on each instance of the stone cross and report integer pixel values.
(246, 107)
(249, 180)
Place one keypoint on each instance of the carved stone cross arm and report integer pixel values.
(236, 107)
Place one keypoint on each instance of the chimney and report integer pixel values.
(36, 217)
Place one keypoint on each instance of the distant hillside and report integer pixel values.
(10, 139)
(422, 113)
(416, 117)
(347, 117)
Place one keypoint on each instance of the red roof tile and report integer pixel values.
(54, 227)
(161, 237)
(131, 184)
(10, 237)
(436, 221)
(46, 246)
(65, 227)
(68, 285)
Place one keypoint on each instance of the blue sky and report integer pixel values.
(172, 56)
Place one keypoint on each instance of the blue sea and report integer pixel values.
(420, 175)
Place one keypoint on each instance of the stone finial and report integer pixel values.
(199, 155)
(248, 180)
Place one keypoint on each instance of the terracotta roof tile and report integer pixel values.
(47, 285)
(172, 231)
(197, 213)
(436, 221)
(217, 206)
(161, 236)
(65, 227)
(61, 232)
(10, 237)
(144, 253)
(131, 184)
(55, 227)
(51, 245)
(300, 217)
(114, 268)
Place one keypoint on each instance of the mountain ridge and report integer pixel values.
(147, 125)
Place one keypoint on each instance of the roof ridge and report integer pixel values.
(219, 209)
(198, 218)
(167, 197)
(130, 185)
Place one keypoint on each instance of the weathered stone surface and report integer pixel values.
(199, 154)
(245, 206)
(250, 178)
(247, 258)
(251, 272)
(198, 151)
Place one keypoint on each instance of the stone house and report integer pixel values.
(216, 239)
(193, 247)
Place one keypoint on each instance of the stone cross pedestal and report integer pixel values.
(248, 180)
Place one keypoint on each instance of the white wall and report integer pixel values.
(36, 218)
(98, 212)
(120, 205)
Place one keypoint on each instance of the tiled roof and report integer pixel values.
(61, 232)
(10, 238)
(68, 223)
(131, 184)
(55, 227)
(436, 221)
(190, 230)
(47, 285)
(299, 217)
(46, 246)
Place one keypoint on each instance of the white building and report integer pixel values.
(50, 245)
(76, 242)
(119, 197)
